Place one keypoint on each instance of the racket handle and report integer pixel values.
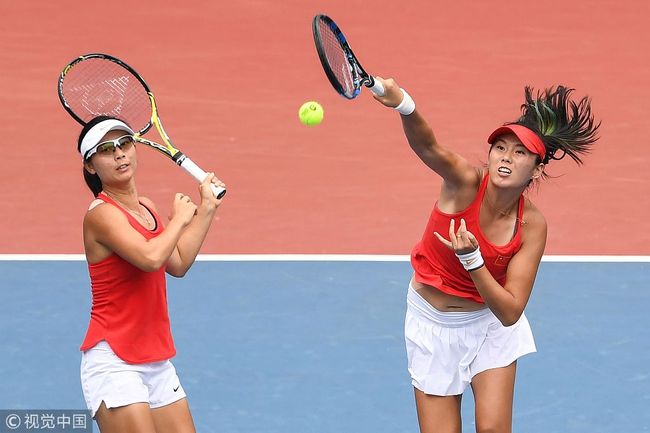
(198, 174)
(377, 88)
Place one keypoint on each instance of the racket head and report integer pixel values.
(339, 62)
(98, 84)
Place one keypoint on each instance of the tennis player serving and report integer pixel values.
(475, 266)
(128, 381)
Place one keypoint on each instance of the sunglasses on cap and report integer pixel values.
(108, 147)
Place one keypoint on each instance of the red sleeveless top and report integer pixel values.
(436, 265)
(129, 306)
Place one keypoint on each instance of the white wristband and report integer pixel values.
(471, 261)
(407, 106)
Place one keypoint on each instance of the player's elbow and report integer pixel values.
(508, 321)
(509, 318)
(176, 272)
(151, 262)
(149, 267)
(176, 268)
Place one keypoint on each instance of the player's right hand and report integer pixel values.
(393, 94)
(183, 208)
(207, 196)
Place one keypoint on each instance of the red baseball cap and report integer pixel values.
(527, 137)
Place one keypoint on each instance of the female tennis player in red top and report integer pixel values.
(128, 382)
(475, 266)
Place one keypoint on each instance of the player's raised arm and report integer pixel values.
(346, 75)
(190, 242)
(453, 168)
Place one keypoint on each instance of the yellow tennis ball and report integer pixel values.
(311, 113)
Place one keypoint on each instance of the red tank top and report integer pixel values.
(436, 265)
(129, 307)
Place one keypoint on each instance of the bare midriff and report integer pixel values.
(442, 301)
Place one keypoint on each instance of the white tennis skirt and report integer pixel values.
(447, 349)
(105, 377)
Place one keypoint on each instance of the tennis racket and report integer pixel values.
(339, 62)
(98, 84)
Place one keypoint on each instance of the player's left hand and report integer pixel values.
(461, 241)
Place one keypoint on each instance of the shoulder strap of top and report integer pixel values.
(482, 188)
(134, 223)
(475, 205)
(107, 199)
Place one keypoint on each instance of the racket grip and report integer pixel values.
(377, 88)
(198, 174)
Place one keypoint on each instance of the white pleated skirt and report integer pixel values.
(447, 349)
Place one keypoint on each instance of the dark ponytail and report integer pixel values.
(93, 181)
(565, 127)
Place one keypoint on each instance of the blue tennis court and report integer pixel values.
(317, 346)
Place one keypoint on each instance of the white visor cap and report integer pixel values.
(95, 134)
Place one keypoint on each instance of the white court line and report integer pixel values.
(321, 257)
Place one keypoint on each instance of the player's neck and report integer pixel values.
(126, 197)
(502, 204)
(129, 200)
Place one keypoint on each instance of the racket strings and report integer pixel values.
(95, 87)
(337, 60)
